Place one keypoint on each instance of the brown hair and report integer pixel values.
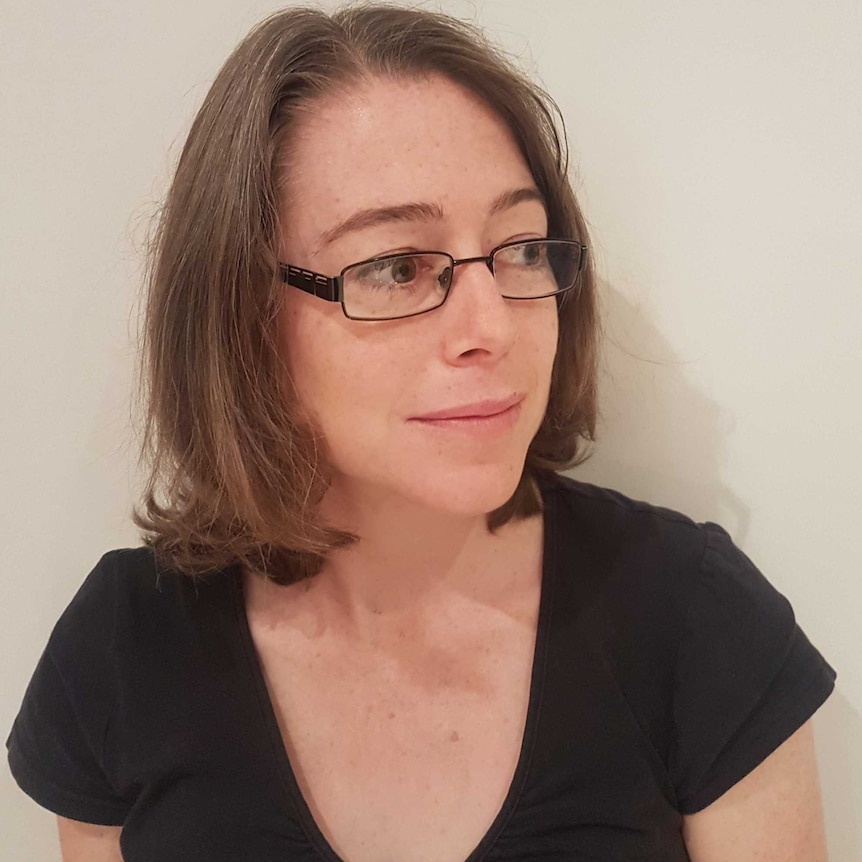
(235, 475)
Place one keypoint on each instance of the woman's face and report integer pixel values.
(371, 386)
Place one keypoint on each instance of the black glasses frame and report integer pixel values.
(331, 287)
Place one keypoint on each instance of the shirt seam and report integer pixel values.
(799, 708)
(36, 778)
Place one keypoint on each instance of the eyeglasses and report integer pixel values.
(403, 285)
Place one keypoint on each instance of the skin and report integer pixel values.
(364, 382)
(412, 609)
(774, 813)
(427, 585)
(88, 842)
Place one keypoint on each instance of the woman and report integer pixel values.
(371, 621)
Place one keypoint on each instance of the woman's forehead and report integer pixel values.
(427, 143)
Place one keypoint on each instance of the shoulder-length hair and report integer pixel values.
(235, 476)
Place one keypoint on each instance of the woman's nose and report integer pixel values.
(477, 322)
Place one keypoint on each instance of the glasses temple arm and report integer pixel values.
(314, 283)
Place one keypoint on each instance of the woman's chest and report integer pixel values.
(403, 754)
(209, 777)
(198, 746)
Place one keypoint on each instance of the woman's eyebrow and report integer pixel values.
(512, 198)
(412, 212)
(380, 215)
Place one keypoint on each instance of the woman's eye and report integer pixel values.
(403, 270)
(391, 272)
(531, 255)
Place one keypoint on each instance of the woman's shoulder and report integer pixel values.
(128, 591)
(587, 499)
(657, 563)
(131, 575)
(702, 648)
(604, 518)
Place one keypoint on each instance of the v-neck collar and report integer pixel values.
(534, 703)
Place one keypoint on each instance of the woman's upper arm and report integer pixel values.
(775, 812)
(88, 842)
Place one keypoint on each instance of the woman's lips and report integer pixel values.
(483, 418)
(475, 410)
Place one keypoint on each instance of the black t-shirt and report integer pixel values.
(666, 668)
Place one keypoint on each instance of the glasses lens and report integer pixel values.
(537, 268)
(397, 286)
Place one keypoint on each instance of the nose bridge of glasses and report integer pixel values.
(488, 261)
(447, 275)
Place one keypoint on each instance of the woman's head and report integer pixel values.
(261, 395)
(439, 171)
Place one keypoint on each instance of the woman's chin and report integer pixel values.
(453, 489)
(471, 492)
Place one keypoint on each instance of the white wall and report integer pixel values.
(718, 149)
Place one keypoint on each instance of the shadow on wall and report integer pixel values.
(660, 439)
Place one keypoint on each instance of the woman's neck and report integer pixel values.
(410, 565)
(408, 555)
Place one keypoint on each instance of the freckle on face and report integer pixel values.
(391, 143)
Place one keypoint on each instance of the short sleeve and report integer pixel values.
(746, 678)
(56, 746)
